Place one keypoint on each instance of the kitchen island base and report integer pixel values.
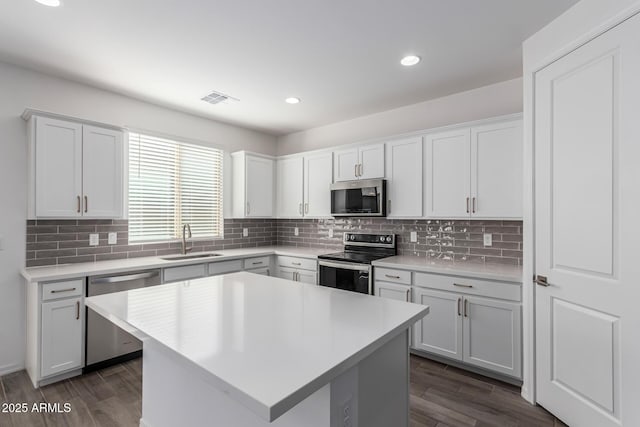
(373, 393)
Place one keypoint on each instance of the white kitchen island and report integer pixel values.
(248, 350)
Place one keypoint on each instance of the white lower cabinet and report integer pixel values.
(297, 269)
(392, 291)
(184, 272)
(491, 335)
(61, 336)
(439, 332)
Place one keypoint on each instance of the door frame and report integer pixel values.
(604, 22)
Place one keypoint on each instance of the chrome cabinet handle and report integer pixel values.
(466, 308)
(467, 205)
(256, 263)
(306, 208)
(408, 299)
(77, 310)
(391, 277)
(55, 291)
(296, 263)
(459, 306)
(300, 208)
(462, 286)
(541, 281)
(86, 204)
(473, 208)
(355, 170)
(361, 170)
(248, 208)
(78, 208)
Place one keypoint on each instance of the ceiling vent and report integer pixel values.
(214, 98)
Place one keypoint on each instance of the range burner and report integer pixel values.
(351, 270)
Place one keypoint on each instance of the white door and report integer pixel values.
(345, 165)
(58, 168)
(371, 161)
(392, 291)
(259, 186)
(440, 331)
(404, 174)
(491, 335)
(102, 155)
(289, 187)
(447, 174)
(305, 276)
(318, 177)
(587, 204)
(61, 336)
(287, 273)
(496, 170)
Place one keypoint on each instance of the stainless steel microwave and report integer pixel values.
(367, 197)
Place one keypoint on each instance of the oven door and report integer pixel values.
(346, 276)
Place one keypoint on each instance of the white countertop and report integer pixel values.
(70, 271)
(508, 273)
(267, 342)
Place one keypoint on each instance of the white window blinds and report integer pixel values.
(173, 183)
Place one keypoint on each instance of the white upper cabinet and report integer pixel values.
(318, 177)
(289, 187)
(102, 172)
(76, 170)
(496, 170)
(253, 185)
(365, 162)
(474, 172)
(404, 174)
(447, 174)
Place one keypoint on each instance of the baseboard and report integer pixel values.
(10, 369)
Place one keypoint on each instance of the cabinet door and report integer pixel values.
(492, 335)
(371, 161)
(289, 187)
(58, 168)
(102, 159)
(261, 271)
(318, 177)
(404, 174)
(440, 331)
(447, 174)
(259, 187)
(392, 291)
(307, 277)
(345, 164)
(286, 273)
(61, 337)
(496, 170)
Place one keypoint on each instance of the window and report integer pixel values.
(173, 183)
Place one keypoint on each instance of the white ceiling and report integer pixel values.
(341, 57)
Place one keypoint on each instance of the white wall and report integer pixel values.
(21, 88)
(485, 102)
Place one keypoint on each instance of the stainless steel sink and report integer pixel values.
(188, 256)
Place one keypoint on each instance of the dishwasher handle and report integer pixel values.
(125, 278)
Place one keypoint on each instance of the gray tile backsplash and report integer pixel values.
(51, 242)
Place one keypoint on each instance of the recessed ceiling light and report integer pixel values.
(292, 100)
(50, 3)
(410, 60)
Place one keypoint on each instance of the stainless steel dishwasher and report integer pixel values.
(106, 343)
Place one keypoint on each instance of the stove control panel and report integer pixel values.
(365, 239)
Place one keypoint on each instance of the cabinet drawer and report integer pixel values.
(487, 288)
(173, 274)
(225, 267)
(258, 262)
(68, 288)
(299, 263)
(395, 276)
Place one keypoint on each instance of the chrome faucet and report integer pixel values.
(185, 228)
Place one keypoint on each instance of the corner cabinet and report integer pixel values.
(474, 172)
(253, 185)
(75, 169)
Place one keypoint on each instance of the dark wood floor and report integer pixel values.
(441, 396)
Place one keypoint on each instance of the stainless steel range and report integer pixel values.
(351, 269)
